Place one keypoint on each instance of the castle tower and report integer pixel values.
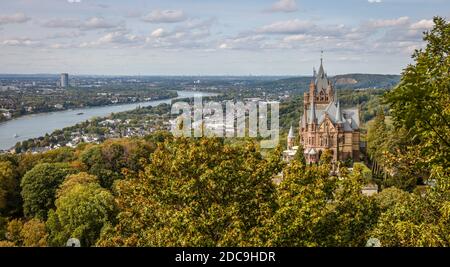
(325, 125)
(290, 139)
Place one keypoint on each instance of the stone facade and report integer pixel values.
(325, 125)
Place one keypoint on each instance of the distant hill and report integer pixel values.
(354, 81)
(346, 81)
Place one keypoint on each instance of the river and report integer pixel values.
(36, 125)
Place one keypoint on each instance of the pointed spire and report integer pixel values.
(314, 72)
(338, 113)
(290, 138)
(304, 120)
(312, 115)
(321, 73)
(335, 96)
(291, 132)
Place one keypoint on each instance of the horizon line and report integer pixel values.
(195, 75)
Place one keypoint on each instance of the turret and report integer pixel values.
(338, 113)
(304, 120)
(330, 91)
(290, 138)
(312, 114)
(312, 87)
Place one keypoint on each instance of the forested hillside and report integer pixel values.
(347, 81)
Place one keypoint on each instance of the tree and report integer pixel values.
(418, 218)
(301, 201)
(300, 156)
(34, 233)
(109, 160)
(421, 102)
(72, 180)
(361, 171)
(351, 215)
(316, 209)
(13, 231)
(9, 196)
(376, 136)
(195, 193)
(82, 210)
(326, 157)
(39, 186)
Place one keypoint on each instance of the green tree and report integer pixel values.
(421, 102)
(111, 159)
(376, 136)
(300, 156)
(316, 209)
(39, 186)
(196, 193)
(326, 157)
(301, 200)
(72, 180)
(9, 189)
(81, 212)
(421, 218)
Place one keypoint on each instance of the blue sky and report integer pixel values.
(212, 37)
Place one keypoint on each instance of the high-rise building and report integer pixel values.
(64, 80)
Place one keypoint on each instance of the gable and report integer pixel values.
(327, 124)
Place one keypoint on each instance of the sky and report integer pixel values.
(212, 37)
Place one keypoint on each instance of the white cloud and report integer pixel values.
(61, 46)
(20, 42)
(14, 18)
(62, 23)
(115, 38)
(66, 34)
(74, 1)
(160, 32)
(389, 22)
(374, 1)
(193, 33)
(165, 16)
(296, 38)
(98, 23)
(92, 23)
(223, 46)
(422, 25)
(243, 41)
(287, 27)
(284, 6)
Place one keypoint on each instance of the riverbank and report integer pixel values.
(38, 125)
(4, 118)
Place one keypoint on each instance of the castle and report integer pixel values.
(325, 124)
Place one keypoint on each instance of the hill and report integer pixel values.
(346, 81)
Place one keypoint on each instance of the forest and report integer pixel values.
(166, 191)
